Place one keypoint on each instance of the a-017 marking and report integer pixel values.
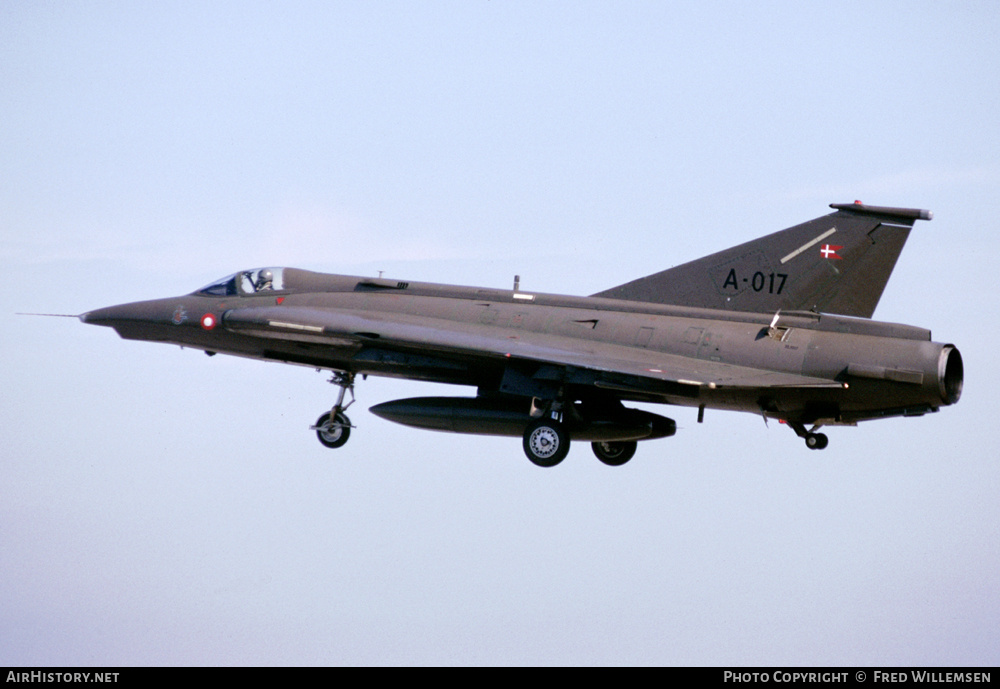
(772, 283)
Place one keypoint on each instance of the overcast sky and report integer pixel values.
(161, 507)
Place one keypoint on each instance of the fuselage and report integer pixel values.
(874, 369)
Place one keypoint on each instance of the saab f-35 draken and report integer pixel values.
(779, 326)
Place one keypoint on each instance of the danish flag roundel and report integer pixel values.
(209, 321)
(830, 250)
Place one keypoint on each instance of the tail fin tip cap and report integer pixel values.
(908, 213)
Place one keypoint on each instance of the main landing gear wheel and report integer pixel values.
(333, 434)
(816, 441)
(546, 442)
(614, 454)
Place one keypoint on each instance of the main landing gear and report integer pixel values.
(814, 440)
(615, 453)
(334, 427)
(546, 443)
(546, 440)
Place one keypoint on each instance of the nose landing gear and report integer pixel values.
(334, 427)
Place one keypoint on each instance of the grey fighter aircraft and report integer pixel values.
(778, 326)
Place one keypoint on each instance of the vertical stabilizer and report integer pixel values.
(837, 263)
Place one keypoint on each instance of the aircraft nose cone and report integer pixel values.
(112, 315)
(144, 320)
(98, 316)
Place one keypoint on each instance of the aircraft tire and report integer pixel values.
(817, 441)
(546, 443)
(335, 436)
(614, 454)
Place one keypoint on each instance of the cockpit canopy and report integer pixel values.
(247, 282)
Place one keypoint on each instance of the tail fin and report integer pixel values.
(838, 263)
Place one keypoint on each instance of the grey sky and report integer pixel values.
(161, 507)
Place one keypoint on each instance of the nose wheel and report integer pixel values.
(334, 427)
(335, 433)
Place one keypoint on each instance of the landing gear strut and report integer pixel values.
(814, 440)
(334, 427)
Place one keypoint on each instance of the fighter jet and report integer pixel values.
(779, 326)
